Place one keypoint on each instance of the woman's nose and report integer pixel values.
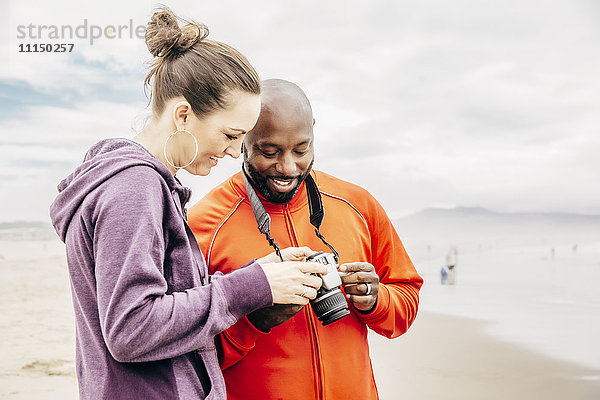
(235, 149)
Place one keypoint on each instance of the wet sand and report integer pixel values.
(447, 357)
(441, 357)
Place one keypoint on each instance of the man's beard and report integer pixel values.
(260, 184)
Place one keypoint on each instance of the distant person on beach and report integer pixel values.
(443, 274)
(451, 261)
(285, 352)
(146, 308)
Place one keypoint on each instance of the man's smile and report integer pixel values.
(282, 185)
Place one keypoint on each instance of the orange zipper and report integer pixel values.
(309, 316)
(317, 365)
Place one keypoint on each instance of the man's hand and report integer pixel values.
(361, 284)
(269, 317)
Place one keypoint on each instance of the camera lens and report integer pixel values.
(330, 305)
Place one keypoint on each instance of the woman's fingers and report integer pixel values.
(299, 300)
(296, 253)
(311, 293)
(304, 294)
(288, 254)
(286, 278)
(308, 292)
(312, 281)
(312, 268)
(269, 258)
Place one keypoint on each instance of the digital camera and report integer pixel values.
(330, 303)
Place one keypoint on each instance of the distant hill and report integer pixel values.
(479, 225)
(26, 230)
(23, 225)
(435, 226)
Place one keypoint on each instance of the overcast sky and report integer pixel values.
(430, 103)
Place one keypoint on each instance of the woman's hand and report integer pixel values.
(291, 281)
(288, 254)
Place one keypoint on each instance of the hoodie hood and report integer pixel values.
(102, 161)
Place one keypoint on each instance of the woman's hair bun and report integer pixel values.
(165, 38)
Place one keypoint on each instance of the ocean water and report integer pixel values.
(546, 301)
(549, 304)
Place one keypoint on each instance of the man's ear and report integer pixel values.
(314, 122)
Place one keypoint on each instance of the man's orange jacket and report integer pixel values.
(301, 359)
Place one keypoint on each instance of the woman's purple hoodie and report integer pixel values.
(146, 309)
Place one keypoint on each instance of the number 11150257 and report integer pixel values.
(46, 48)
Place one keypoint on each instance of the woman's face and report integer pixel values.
(221, 132)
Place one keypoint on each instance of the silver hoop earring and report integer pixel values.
(165, 149)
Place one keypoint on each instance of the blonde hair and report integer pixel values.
(186, 64)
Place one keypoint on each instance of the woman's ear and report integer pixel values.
(181, 111)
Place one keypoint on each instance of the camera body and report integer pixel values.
(331, 279)
(330, 304)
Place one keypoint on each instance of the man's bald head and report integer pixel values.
(284, 100)
(278, 151)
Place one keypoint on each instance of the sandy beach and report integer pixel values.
(37, 332)
(442, 356)
(446, 357)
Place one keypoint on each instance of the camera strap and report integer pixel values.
(263, 219)
(317, 211)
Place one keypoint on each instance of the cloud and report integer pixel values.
(38, 151)
(108, 63)
(466, 102)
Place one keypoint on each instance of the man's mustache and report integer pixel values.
(283, 177)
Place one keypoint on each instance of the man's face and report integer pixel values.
(278, 157)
